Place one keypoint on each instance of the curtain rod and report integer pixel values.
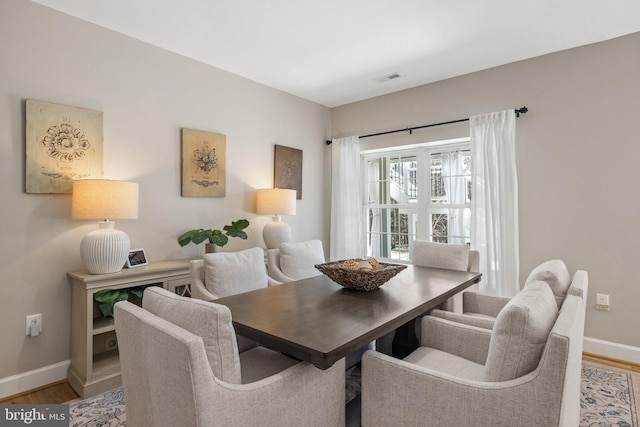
(518, 111)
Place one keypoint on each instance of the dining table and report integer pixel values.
(319, 321)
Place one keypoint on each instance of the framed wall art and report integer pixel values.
(63, 144)
(204, 165)
(287, 169)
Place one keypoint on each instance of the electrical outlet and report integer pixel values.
(34, 324)
(602, 302)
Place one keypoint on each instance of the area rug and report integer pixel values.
(610, 397)
(104, 410)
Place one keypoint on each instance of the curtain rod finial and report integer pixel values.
(328, 142)
(522, 110)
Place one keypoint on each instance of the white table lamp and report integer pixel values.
(276, 201)
(104, 250)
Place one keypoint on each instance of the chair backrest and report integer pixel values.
(164, 370)
(555, 273)
(208, 320)
(295, 261)
(443, 255)
(520, 333)
(231, 273)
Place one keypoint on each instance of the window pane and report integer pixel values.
(403, 187)
(451, 225)
(390, 232)
(451, 177)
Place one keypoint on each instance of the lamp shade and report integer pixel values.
(104, 250)
(276, 201)
(104, 199)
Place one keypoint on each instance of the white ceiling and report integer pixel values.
(332, 51)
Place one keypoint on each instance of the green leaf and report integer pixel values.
(201, 236)
(186, 238)
(137, 292)
(106, 296)
(107, 308)
(219, 239)
(236, 227)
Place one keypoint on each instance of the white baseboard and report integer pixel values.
(611, 349)
(20, 383)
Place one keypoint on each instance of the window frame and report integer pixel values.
(423, 208)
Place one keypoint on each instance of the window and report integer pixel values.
(419, 193)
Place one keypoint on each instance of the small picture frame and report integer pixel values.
(136, 258)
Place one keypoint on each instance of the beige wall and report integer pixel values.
(577, 157)
(147, 95)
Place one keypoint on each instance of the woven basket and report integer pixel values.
(360, 280)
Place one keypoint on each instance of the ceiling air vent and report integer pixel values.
(387, 77)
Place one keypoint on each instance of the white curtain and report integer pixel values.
(453, 177)
(494, 201)
(373, 175)
(346, 200)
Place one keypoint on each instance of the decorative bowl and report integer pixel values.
(360, 279)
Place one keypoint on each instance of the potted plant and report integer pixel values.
(217, 238)
(107, 298)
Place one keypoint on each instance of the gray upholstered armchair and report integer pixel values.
(294, 261)
(524, 372)
(449, 256)
(181, 367)
(481, 310)
(437, 255)
(221, 274)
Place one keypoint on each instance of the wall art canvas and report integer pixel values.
(204, 165)
(287, 169)
(63, 144)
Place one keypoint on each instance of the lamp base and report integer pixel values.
(105, 250)
(276, 232)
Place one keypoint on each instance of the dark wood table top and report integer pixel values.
(319, 321)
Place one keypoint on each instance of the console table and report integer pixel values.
(95, 365)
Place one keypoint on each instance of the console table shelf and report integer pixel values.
(95, 365)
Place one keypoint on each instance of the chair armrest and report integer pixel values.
(395, 392)
(273, 282)
(198, 288)
(469, 342)
(489, 305)
(480, 322)
(474, 261)
(300, 395)
(273, 268)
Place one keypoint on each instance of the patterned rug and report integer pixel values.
(610, 397)
(104, 410)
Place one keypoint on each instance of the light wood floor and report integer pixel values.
(55, 393)
(61, 391)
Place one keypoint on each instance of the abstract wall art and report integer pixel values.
(287, 169)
